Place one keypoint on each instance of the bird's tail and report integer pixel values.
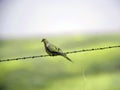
(64, 55)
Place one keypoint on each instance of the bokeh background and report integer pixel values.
(69, 24)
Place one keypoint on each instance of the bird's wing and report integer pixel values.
(53, 48)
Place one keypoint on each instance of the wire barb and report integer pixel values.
(83, 50)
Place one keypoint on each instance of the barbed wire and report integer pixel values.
(83, 50)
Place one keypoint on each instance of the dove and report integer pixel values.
(52, 50)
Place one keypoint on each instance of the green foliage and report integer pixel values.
(96, 70)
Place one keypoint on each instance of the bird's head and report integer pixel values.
(43, 40)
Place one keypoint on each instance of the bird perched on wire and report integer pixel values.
(52, 50)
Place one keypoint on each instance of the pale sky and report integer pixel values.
(42, 17)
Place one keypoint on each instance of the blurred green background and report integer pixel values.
(95, 70)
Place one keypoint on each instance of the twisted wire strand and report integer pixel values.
(83, 50)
